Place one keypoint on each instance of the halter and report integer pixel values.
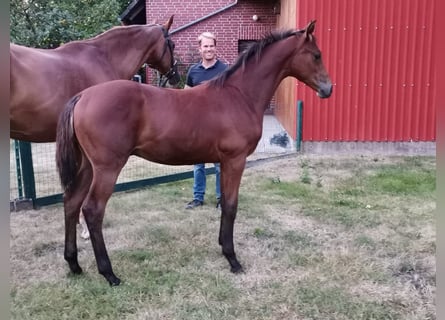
(170, 73)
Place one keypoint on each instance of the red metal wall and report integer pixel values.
(379, 54)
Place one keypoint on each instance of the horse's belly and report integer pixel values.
(174, 154)
(29, 123)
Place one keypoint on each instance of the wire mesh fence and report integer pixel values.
(273, 142)
(47, 180)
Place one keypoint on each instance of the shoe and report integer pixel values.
(193, 204)
(218, 204)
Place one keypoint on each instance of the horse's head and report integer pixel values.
(307, 64)
(167, 65)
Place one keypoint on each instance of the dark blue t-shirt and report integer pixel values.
(197, 73)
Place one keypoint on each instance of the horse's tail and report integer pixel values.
(68, 153)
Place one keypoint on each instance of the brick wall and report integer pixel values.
(228, 26)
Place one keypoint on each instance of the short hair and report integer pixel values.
(207, 35)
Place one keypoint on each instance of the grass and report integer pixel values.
(319, 238)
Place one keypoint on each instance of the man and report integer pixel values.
(208, 68)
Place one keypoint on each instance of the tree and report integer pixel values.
(50, 23)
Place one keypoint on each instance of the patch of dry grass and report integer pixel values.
(319, 238)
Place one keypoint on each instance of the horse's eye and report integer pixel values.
(317, 56)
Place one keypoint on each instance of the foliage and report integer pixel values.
(48, 24)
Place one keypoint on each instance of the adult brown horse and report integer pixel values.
(43, 80)
(218, 121)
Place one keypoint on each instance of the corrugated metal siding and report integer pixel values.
(379, 54)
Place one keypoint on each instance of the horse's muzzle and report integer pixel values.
(325, 90)
(172, 75)
(174, 78)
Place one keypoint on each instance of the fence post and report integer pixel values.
(18, 169)
(299, 123)
(29, 185)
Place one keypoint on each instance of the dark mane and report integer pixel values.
(253, 50)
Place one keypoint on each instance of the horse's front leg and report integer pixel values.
(231, 172)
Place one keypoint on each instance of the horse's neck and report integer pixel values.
(260, 79)
(127, 49)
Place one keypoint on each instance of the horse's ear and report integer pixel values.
(309, 29)
(169, 23)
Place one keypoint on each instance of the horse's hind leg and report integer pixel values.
(73, 199)
(93, 210)
(231, 173)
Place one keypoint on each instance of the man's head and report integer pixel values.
(207, 46)
(206, 35)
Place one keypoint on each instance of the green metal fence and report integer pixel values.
(34, 179)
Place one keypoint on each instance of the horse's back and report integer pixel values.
(32, 60)
(123, 117)
(35, 71)
(169, 126)
(114, 100)
(110, 112)
(34, 78)
(43, 80)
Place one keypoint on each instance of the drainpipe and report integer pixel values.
(204, 17)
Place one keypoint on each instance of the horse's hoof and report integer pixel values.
(113, 281)
(237, 269)
(76, 269)
(74, 266)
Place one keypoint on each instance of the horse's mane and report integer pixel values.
(107, 34)
(255, 49)
(112, 31)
